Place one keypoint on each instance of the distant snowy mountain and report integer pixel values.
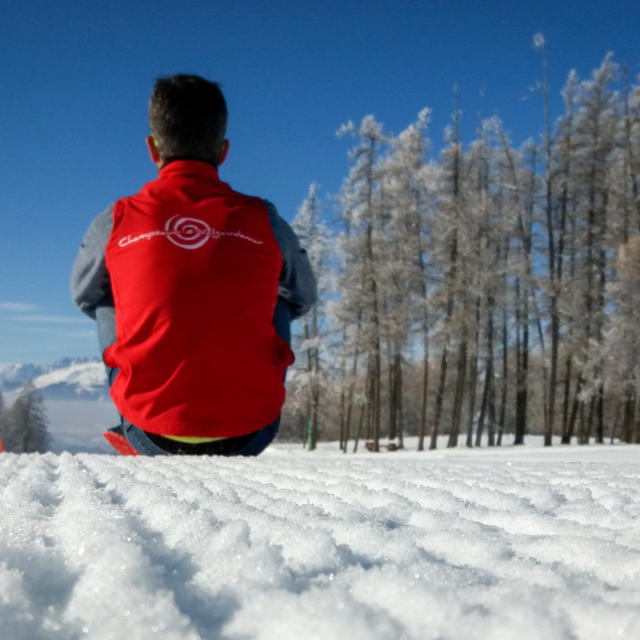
(13, 376)
(66, 379)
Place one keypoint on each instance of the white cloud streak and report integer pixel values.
(51, 319)
(17, 307)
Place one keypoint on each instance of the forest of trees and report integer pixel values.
(23, 427)
(485, 292)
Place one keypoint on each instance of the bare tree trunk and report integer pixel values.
(459, 394)
(566, 437)
(359, 429)
(352, 385)
(577, 408)
(343, 432)
(522, 366)
(425, 390)
(505, 350)
(488, 393)
(473, 376)
(393, 400)
(395, 383)
(313, 366)
(582, 424)
(444, 362)
(425, 335)
(630, 404)
(600, 339)
(401, 412)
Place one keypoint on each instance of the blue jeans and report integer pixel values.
(146, 444)
(251, 445)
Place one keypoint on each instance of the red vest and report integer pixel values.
(194, 270)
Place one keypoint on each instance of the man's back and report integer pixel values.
(194, 270)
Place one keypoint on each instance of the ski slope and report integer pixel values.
(511, 544)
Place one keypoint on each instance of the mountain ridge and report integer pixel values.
(65, 379)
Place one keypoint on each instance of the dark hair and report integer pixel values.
(188, 118)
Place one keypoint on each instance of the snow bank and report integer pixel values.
(294, 545)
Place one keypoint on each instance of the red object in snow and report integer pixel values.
(120, 443)
(1, 446)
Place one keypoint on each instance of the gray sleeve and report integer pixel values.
(90, 283)
(297, 282)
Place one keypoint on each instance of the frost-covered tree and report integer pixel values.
(564, 215)
(312, 378)
(28, 423)
(623, 335)
(409, 196)
(550, 219)
(489, 226)
(624, 216)
(359, 311)
(594, 137)
(449, 220)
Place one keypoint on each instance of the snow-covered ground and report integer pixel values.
(512, 544)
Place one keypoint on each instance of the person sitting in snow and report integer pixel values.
(193, 286)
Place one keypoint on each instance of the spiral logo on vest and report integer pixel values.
(188, 233)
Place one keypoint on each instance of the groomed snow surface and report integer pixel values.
(513, 544)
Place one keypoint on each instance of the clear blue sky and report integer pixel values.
(76, 78)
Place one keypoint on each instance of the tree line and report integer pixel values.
(23, 426)
(487, 291)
